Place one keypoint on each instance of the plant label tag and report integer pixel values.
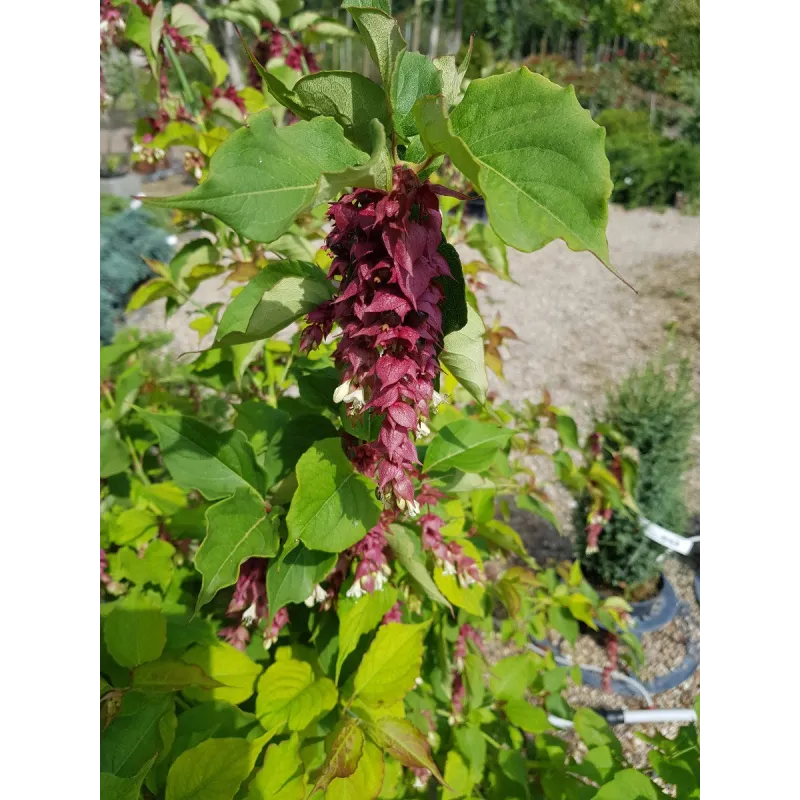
(672, 541)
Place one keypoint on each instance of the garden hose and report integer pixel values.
(622, 716)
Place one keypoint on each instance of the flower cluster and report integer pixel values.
(385, 248)
(449, 556)
(229, 94)
(458, 691)
(612, 650)
(595, 527)
(372, 568)
(180, 43)
(276, 44)
(194, 163)
(111, 24)
(249, 605)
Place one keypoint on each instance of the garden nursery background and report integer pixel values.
(399, 321)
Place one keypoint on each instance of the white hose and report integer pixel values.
(564, 661)
(639, 717)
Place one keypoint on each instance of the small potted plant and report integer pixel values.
(116, 176)
(622, 547)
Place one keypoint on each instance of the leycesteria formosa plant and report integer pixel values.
(306, 552)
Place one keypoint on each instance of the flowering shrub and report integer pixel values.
(306, 562)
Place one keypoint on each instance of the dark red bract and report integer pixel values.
(385, 247)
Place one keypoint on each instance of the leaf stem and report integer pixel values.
(425, 164)
(137, 464)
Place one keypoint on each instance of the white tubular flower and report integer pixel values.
(317, 596)
(269, 641)
(249, 615)
(356, 590)
(466, 580)
(419, 783)
(413, 508)
(437, 400)
(422, 428)
(380, 580)
(355, 398)
(449, 568)
(417, 681)
(342, 390)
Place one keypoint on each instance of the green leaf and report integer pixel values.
(155, 566)
(290, 697)
(403, 741)
(214, 63)
(567, 431)
(531, 719)
(347, 745)
(198, 457)
(133, 739)
(135, 631)
(353, 100)
(214, 770)
(563, 621)
(115, 788)
(463, 356)
(483, 239)
(511, 676)
(238, 529)
(365, 783)
(376, 172)
(333, 506)
(280, 293)
(381, 34)
(467, 445)
(278, 777)
(402, 542)
(366, 426)
(598, 765)
(133, 525)
(225, 664)
(629, 784)
(594, 731)
(262, 177)
(471, 744)
(357, 617)
(415, 76)
(137, 29)
(188, 21)
(457, 776)
(454, 309)
(499, 533)
(534, 154)
(469, 598)
(149, 292)
(167, 675)
(391, 665)
(114, 456)
(291, 578)
(452, 75)
(156, 27)
(291, 441)
(167, 498)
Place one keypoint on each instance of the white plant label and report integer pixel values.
(672, 541)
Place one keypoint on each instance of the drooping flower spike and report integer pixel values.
(385, 247)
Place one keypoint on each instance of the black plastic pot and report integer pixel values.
(697, 586)
(654, 614)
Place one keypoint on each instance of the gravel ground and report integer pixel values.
(579, 329)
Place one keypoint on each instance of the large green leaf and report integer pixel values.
(511, 676)
(291, 579)
(154, 566)
(404, 741)
(291, 441)
(135, 631)
(224, 663)
(259, 423)
(289, 696)
(457, 776)
(530, 718)
(238, 529)
(375, 173)
(166, 675)
(353, 100)
(277, 778)
(365, 783)
(533, 153)
(280, 293)
(113, 787)
(465, 444)
(415, 76)
(381, 34)
(114, 456)
(629, 784)
(346, 748)
(357, 617)
(133, 738)
(214, 770)
(333, 506)
(463, 356)
(262, 177)
(401, 540)
(391, 665)
(198, 457)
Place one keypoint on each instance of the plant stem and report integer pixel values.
(137, 464)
